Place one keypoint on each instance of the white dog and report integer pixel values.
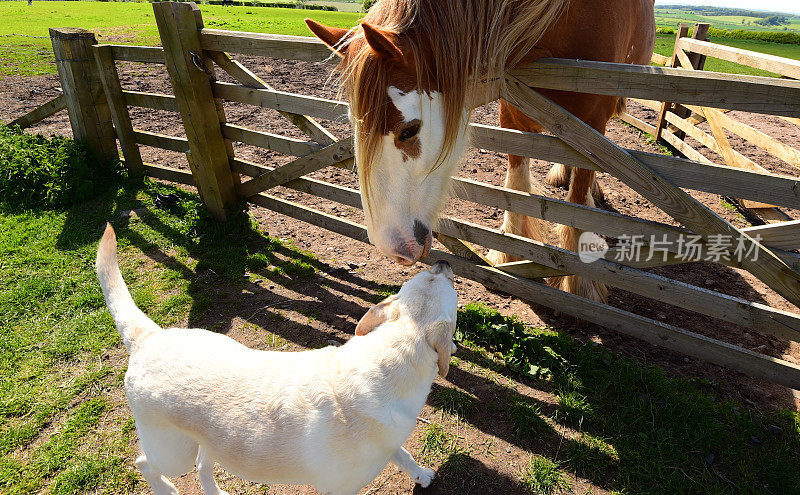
(330, 417)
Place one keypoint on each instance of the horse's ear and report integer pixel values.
(383, 42)
(331, 36)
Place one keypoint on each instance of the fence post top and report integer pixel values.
(71, 33)
(186, 6)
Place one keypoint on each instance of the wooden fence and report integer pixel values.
(193, 53)
(675, 121)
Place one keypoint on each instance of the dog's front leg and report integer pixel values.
(205, 471)
(406, 463)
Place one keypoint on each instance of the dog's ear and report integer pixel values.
(381, 312)
(440, 337)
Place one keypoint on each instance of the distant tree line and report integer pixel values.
(705, 10)
(774, 20)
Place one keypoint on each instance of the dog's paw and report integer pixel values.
(424, 476)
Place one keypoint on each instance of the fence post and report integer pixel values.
(683, 30)
(191, 72)
(89, 114)
(700, 32)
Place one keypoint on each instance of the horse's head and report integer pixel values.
(409, 134)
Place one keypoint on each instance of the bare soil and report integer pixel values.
(354, 272)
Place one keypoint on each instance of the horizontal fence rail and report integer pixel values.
(659, 176)
(655, 332)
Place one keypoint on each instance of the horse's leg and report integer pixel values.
(579, 187)
(518, 178)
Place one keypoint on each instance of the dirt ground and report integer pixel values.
(354, 268)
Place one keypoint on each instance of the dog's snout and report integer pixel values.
(443, 267)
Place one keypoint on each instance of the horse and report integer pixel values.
(412, 72)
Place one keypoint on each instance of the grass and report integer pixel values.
(452, 401)
(542, 476)
(665, 44)
(129, 22)
(638, 428)
(63, 424)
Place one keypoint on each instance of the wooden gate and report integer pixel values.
(193, 53)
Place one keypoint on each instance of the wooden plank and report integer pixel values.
(706, 176)
(638, 123)
(170, 174)
(683, 147)
(755, 94)
(651, 104)
(652, 331)
(771, 63)
(142, 54)
(552, 210)
(334, 153)
(309, 126)
(282, 101)
(153, 101)
(719, 145)
(784, 235)
(668, 197)
(89, 114)
(156, 140)
(314, 217)
(40, 113)
(281, 144)
(767, 143)
(267, 45)
(658, 59)
(191, 73)
(322, 189)
(107, 69)
(704, 301)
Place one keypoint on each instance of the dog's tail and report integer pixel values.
(131, 322)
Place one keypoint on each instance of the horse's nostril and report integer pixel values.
(421, 232)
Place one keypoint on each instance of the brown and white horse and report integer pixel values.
(413, 71)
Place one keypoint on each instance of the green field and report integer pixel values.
(666, 42)
(671, 17)
(129, 23)
(134, 23)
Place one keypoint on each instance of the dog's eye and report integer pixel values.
(409, 132)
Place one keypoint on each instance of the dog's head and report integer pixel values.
(429, 301)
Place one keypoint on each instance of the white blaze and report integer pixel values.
(405, 188)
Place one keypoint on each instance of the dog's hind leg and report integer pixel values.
(157, 481)
(205, 471)
(406, 463)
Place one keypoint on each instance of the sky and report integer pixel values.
(791, 6)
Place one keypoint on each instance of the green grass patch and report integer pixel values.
(542, 477)
(675, 434)
(527, 420)
(452, 401)
(436, 443)
(38, 171)
(57, 432)
(130, 22)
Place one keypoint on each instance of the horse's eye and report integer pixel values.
(409, 132)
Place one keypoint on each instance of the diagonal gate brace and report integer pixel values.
(670, 198)
(330, 155)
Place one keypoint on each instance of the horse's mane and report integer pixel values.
(455, 44)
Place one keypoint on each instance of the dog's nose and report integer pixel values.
(442, 266)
